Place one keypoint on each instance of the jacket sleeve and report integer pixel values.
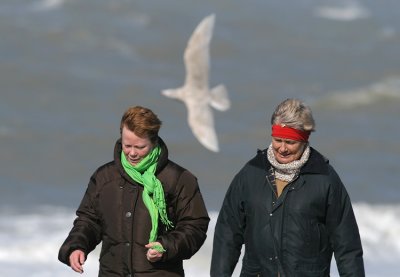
(86, 232)
(344, 234)
(229, 232)
(191, 222)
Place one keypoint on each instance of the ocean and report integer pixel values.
(70, 68)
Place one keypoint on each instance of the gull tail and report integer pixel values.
(219, 98)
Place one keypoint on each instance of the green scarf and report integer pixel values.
(153, 193)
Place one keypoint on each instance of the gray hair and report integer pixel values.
(295, 114)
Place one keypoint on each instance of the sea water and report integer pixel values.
(70, 68)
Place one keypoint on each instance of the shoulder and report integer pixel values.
(105, 173)
(252, 172)
(318, 166)
(256, 165)
(177, 181)
(174, 174)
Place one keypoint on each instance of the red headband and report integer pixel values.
(289, 133)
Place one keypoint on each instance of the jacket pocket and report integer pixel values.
(250, 269)
(316, 239)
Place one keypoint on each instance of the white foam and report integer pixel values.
(388, 89)
(45, 5)
(29, 243)
(346, 11)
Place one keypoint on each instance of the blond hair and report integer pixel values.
(295, 114)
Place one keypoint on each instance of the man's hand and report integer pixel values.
(76, 260)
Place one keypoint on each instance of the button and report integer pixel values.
(128, 214)
(127, 244)
(128, 275)
(276, 257)
(270, 259)
(270, 214)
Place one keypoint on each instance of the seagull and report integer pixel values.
(195, 92)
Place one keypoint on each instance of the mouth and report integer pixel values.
(133, 161)
(284, 158)
(284, 155)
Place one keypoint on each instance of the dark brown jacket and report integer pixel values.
(112, 212)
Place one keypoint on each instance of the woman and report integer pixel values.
(289, 208)
(146, 210)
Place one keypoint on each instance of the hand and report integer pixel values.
(76, 260)
(152, 254)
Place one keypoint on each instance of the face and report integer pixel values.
(134, 147)
(287, 150)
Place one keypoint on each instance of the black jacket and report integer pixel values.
(295, 234)
(112, 212)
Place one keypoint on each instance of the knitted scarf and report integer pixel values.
(153, 193)
(287, 172)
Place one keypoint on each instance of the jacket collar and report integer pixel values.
(316, 164)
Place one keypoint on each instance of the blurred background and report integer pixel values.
(70, 68)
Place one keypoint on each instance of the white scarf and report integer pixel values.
(287, 172)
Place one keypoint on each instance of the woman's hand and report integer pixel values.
(152, 254)
(76, 260)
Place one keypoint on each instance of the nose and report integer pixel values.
(282, 147)
(132, 152)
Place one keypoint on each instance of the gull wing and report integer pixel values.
(201, 122)
(197, 54)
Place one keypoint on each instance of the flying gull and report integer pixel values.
(195, 93)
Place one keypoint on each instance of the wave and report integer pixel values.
(29, 242)
(347, 11)
(46, 5)
(387, 90)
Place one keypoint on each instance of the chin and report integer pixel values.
(285, 161)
